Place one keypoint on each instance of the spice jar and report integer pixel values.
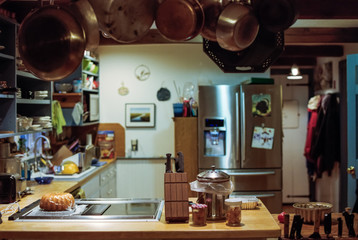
(199, 214)
(233, 211)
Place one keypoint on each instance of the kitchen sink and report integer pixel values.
(98, 209)
(66, 177)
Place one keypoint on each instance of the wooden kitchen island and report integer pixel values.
(256, 224)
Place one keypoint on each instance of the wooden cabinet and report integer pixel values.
(87, 95)
(24, 102)
(186, 141)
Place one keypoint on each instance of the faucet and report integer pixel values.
(35, 150)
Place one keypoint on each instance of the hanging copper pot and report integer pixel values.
(125, 21)
(84, 12)
(212, 10)
(237, 27)
(179, 20)
(51, 42)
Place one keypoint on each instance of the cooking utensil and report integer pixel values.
(84, 12)
(350, 223)
(275, 15)
(212, 10)
(286, 222)
(317, 220)
(327, 224)
(295, 221)
(340, 226)
(237, 27)
(299, 229)
(125, 21)
(179, 20)
(168, 164)
(51, 42)
(258, 57)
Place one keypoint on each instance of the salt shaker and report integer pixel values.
(233, 212)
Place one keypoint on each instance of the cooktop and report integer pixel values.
(101, 209)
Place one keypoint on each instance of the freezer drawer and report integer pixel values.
(256, 179)
(271, 199)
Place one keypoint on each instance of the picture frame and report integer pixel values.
(140, 115)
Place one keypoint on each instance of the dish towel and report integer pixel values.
(58, 121)
(77, 113)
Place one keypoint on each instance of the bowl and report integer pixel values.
(63, 87)
(309, 210)
(43, 180)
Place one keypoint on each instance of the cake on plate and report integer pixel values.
(58, 201)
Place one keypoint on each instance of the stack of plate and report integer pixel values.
(40, 94)
(43, 121)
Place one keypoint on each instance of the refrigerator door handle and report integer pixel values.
(242, 126)
(264, 195)
(251, 173)
(238, 121)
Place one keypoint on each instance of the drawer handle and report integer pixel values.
(251, 173)
(265, 195)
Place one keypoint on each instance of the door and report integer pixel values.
(349, 133)
(261, 126)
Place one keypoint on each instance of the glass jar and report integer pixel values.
(199, 214)
(233, 211)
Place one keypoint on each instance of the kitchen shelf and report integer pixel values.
(5, 56)
(9, 96)
(90, 73)
(33, 101)
(26, 74)
(6, 135)
(90, 58)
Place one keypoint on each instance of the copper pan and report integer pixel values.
(125, 21)
(212, 10)
(237, 27)
(84, 12)
(51, 42)
(179, 20)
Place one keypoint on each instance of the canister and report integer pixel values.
(77, 86)
(199, 214)
(233, 212)
(216, 187)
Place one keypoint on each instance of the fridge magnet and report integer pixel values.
(142, 72)
(140, 115)
(263, 138)
(261, 105)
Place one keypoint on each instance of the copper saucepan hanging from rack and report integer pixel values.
(125, 21)
(51, 42)
(237, 27)
(179, 20)
(212, 10)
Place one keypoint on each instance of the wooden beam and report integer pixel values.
(313, 51)
(327, 9)
(321, 35)
(300, 61)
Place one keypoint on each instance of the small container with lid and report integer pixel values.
(199, 214)
(233, 211)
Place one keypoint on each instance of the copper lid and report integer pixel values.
(213, 176)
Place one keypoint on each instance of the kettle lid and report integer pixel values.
(213, 176)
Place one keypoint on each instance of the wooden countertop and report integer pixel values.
(256, 224)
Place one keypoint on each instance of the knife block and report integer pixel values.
(176, 201)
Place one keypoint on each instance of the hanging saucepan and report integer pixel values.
(51, 42)
(212, 10)
(179, 20)
(84, 12)
(275, 15)
(237, 27)
(125, 21)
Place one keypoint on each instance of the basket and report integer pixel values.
(309, 209)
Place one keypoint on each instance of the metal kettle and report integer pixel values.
(216, 188)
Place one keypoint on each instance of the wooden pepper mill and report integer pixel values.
(176, 191)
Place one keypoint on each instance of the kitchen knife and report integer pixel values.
(327, 222)
(179, 162)
(168, 167)
(340, 226)
(296, 218)
(286, 222)
(349, 223)
(299, 228)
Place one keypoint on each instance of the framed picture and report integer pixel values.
(140, 115)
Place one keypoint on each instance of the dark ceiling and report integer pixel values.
(302, 45)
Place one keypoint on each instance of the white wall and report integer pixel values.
(167, 62)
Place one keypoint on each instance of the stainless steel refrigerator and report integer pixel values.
(240, 132)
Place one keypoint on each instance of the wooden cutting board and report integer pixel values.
(119, 137)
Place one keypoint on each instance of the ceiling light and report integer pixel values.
(295, 73)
